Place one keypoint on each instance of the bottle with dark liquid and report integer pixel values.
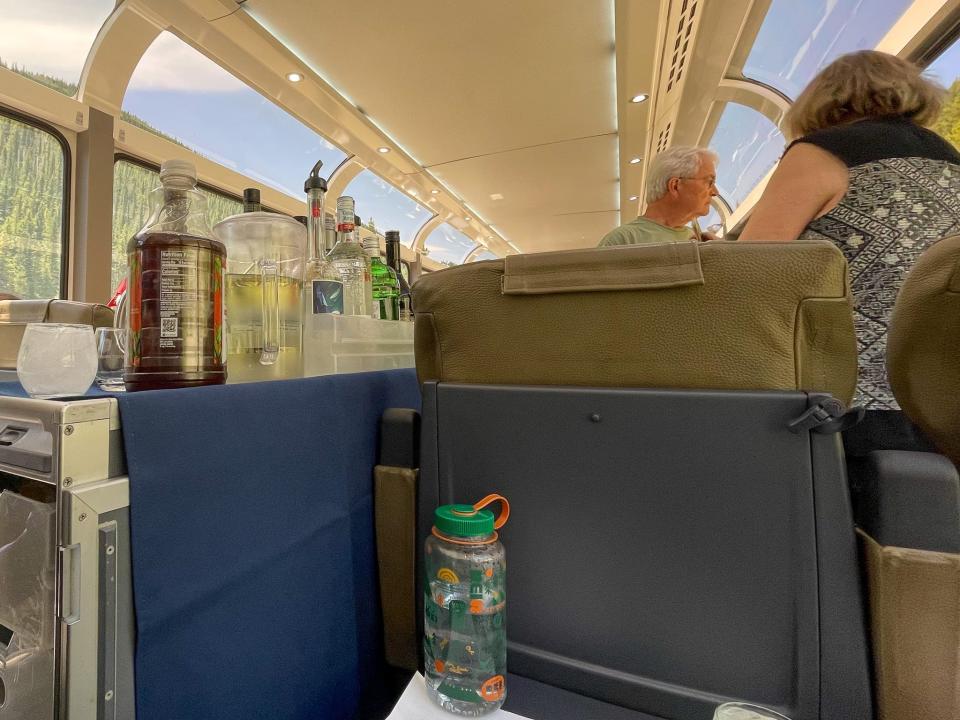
(175, 297)
(251, 200)
(393, 261)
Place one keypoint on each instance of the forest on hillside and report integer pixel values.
(32, 197)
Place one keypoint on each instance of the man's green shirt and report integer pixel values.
(641, 231)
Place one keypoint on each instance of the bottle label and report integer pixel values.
(327, 297)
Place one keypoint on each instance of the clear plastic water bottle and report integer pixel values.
(464, 606)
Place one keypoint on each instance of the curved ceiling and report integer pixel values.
(511, 105)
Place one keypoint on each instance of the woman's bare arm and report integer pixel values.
(806, 184)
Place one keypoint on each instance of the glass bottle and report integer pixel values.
(322, 285)
(350, 261)
(367, 276)
(251, 200)
(175, 298)
(386, 289)
(393, 260)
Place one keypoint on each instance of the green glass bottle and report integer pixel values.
(386, 288)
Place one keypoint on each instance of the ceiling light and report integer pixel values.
(434, 192)
(413, 191)
(634, 161)
(639, 98)
(467, 218)
(496, 196)
(632, 197)
(294, 77)
(383, 149)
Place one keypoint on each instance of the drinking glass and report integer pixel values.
(111, 343)
(57, 359)
(745, 711)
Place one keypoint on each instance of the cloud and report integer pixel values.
(171, 64)
(54, 49)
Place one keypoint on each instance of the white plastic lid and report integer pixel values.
(177, 168)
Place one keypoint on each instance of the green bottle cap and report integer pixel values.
(463, 521)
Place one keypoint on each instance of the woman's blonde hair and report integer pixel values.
(860, 85)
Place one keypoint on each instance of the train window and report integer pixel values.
(798, 38)
(132, 185)
(946, 69)
(33, 210)
(485, 255)
(448, 246)
(49, 41)
(711, 220)
(384, 207)
(748, 145)
(183, 94)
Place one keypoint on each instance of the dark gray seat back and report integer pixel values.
(667, 549)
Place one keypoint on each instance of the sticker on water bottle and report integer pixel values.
(492, 689)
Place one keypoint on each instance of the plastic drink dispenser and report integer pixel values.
(265, 259)
(465, 601)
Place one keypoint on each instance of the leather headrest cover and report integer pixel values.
(719, 315)
(923, 347)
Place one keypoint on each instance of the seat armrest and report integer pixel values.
(907, 499)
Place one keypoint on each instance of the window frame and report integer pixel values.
(51, 129)
(153, 167)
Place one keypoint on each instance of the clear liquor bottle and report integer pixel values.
(386, 289)
(322, 286)
(393, 261)
(350, 261)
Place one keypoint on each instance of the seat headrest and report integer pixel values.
(923, 345)
(720, 315)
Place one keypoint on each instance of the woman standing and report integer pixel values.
(867, 175)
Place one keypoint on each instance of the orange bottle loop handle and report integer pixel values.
(504, 508)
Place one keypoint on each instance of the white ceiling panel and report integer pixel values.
(449, 80)
(543, 197)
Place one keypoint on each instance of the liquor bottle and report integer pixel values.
(393, 260)
(322, 285)
(350, 261)
(386, 289)
(251, 200)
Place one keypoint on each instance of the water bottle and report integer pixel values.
(464, 607)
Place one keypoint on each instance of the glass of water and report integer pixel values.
(111, 343)
(57, 359)
(745, 711)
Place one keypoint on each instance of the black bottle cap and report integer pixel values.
(392, 236)
(314, 180)
(301, 219)
(251, 195)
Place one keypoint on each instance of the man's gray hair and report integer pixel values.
(680, 161)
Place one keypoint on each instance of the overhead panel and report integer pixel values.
(535, 193)
(463, 82)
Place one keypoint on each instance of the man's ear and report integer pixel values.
(673, 185)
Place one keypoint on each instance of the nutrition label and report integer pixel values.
(177, 267)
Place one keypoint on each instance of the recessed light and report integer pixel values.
(434, 192)
(383, 149)
(496, 196)
(639, 98)
(467, 218)
(632, 197)
(294, 77)
(634, 161)
(413, 191)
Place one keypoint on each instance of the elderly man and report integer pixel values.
(680, 183)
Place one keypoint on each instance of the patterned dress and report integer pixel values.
(903, 196)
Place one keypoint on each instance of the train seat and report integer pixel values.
(664, 421)
(908, 507)
(15, 314)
